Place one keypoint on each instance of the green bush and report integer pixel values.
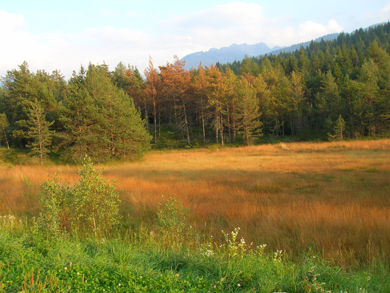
(171, 221)
(88, 208)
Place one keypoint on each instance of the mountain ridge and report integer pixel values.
(236, 52)
(226, 54)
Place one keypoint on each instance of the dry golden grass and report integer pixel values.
(334, 196)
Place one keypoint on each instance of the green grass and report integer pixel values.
(145, 262)
(66, 265)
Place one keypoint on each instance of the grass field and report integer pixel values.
(331, 197)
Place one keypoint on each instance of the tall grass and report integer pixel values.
(29, 262)
(332, 197)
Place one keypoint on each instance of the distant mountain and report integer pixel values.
(329, 37)
(237, 52)
(292, 48)
(226, 54)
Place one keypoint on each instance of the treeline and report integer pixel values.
(88, 114)
(331, 89)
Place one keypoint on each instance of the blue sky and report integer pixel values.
(66, 34)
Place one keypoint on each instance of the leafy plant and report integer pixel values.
(171, 220)
(90, 207)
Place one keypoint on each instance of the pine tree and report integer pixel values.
(296, 92)
(22, 85)
(248, 111)
(37, 129)
(331, 95)
(101, 120)
(176, 84)
(3, 128)
(216, 91)
(339, 130)
(200, 87)
(152, 82)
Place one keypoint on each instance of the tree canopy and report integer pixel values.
(341, 87)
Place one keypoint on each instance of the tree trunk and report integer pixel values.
(247, 135)
(186, 123)
(159, 125)
(204, 130)
(228, 123)
(146, 119)
(216, 126)
(222, 140)
(233, 124)
(155, 122)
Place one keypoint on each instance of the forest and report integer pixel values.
(330, 90)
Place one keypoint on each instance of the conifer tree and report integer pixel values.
(216, 91)
(248, 111)
(331, 94)
(101, 120)
(21, 86)
(339, 130)
(152, 81)
(296, 92)
(200, 87)
(3, 128)
(176, 84)
(37, 129)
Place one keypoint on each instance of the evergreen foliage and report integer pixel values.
(3, 128)
(37, 129)
(101, 120)
(247, 111)
(339, 129)
(298, 94)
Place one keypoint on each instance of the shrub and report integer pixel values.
(171, 220)
(88, 208)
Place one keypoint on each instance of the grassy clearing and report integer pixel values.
(330, 197)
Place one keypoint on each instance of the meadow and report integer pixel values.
(330, 199)
(331, 196)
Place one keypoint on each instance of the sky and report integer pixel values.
(66, 35)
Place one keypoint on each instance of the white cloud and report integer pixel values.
(244, 23)
(16, 42)
(10, 22)
(67, 52)
(386, 10)
(215, 27)
(384, 14)
(372, 17)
